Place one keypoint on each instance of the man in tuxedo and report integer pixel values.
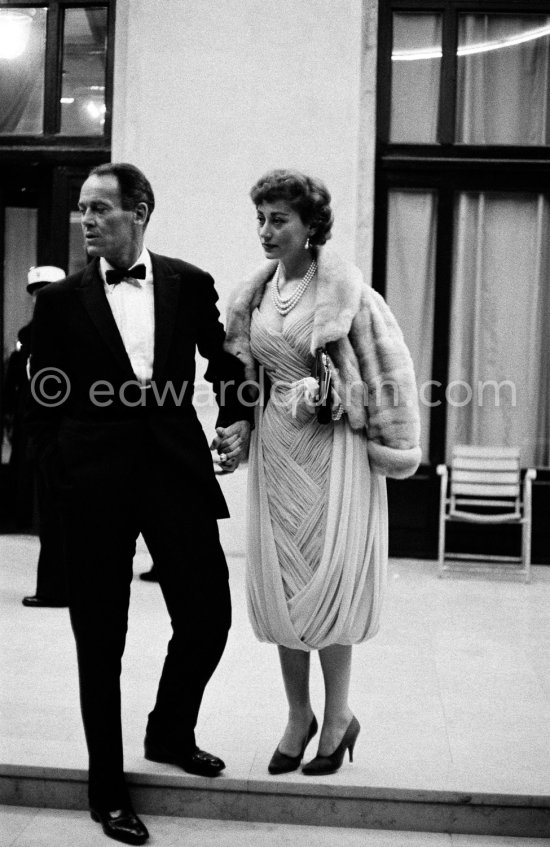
(112, 375)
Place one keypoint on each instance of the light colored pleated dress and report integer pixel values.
(317, 516)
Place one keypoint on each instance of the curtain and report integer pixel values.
(503, 94)
(97, 21)
(415, 83)
(498, 388)
(410, 284)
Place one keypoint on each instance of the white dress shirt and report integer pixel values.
(132, 303)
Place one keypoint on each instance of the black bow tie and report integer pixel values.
(116, 275)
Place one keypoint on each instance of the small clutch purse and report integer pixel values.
(321, 372)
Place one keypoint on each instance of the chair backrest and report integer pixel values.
(488, 477)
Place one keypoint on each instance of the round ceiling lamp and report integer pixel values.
(15, 29)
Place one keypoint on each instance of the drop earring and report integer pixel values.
(307, 243)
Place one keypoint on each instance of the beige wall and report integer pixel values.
(211, 93)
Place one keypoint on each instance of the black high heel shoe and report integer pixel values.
(321, 765)
(281, 763)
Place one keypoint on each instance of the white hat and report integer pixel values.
(42, 275)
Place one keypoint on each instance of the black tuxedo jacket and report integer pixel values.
(92, 423)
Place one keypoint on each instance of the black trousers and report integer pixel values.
(50, 573)
(183, 540)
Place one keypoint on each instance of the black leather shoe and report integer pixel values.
(122, 825)
(36, 602)
(150, 576)
(198, 762)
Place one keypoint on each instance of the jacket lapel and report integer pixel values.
(167, 290)
(94, 300)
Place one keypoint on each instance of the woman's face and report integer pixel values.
(282, 232)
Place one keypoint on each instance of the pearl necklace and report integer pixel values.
(285, 304)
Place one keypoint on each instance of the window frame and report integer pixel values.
(450, 11)
(50, 139)
(446, 168)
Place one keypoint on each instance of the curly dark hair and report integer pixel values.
(307, 195)
(134, 186)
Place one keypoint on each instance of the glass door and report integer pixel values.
(39, 225)
(20, 201)
(19, 212)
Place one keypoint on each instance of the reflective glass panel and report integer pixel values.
(503, 82)
(22, 55)
(20, 239)
(410, 284)
(19, 255)
(416, 65)
(84, 55)
(77, 251)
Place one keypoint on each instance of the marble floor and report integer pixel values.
(453, 693)
(24, 827)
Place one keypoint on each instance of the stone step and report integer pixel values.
(31, 827)
(286, 801)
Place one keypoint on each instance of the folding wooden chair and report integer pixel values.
(485, 486)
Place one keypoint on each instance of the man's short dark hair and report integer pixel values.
(134, 186)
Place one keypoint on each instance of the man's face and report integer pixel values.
(109, 230)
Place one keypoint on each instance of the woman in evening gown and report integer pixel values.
(317, 512)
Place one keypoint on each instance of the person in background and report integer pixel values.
(114, 346)
(317, 532)
(28, 472)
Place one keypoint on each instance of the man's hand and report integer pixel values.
(231, 442)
